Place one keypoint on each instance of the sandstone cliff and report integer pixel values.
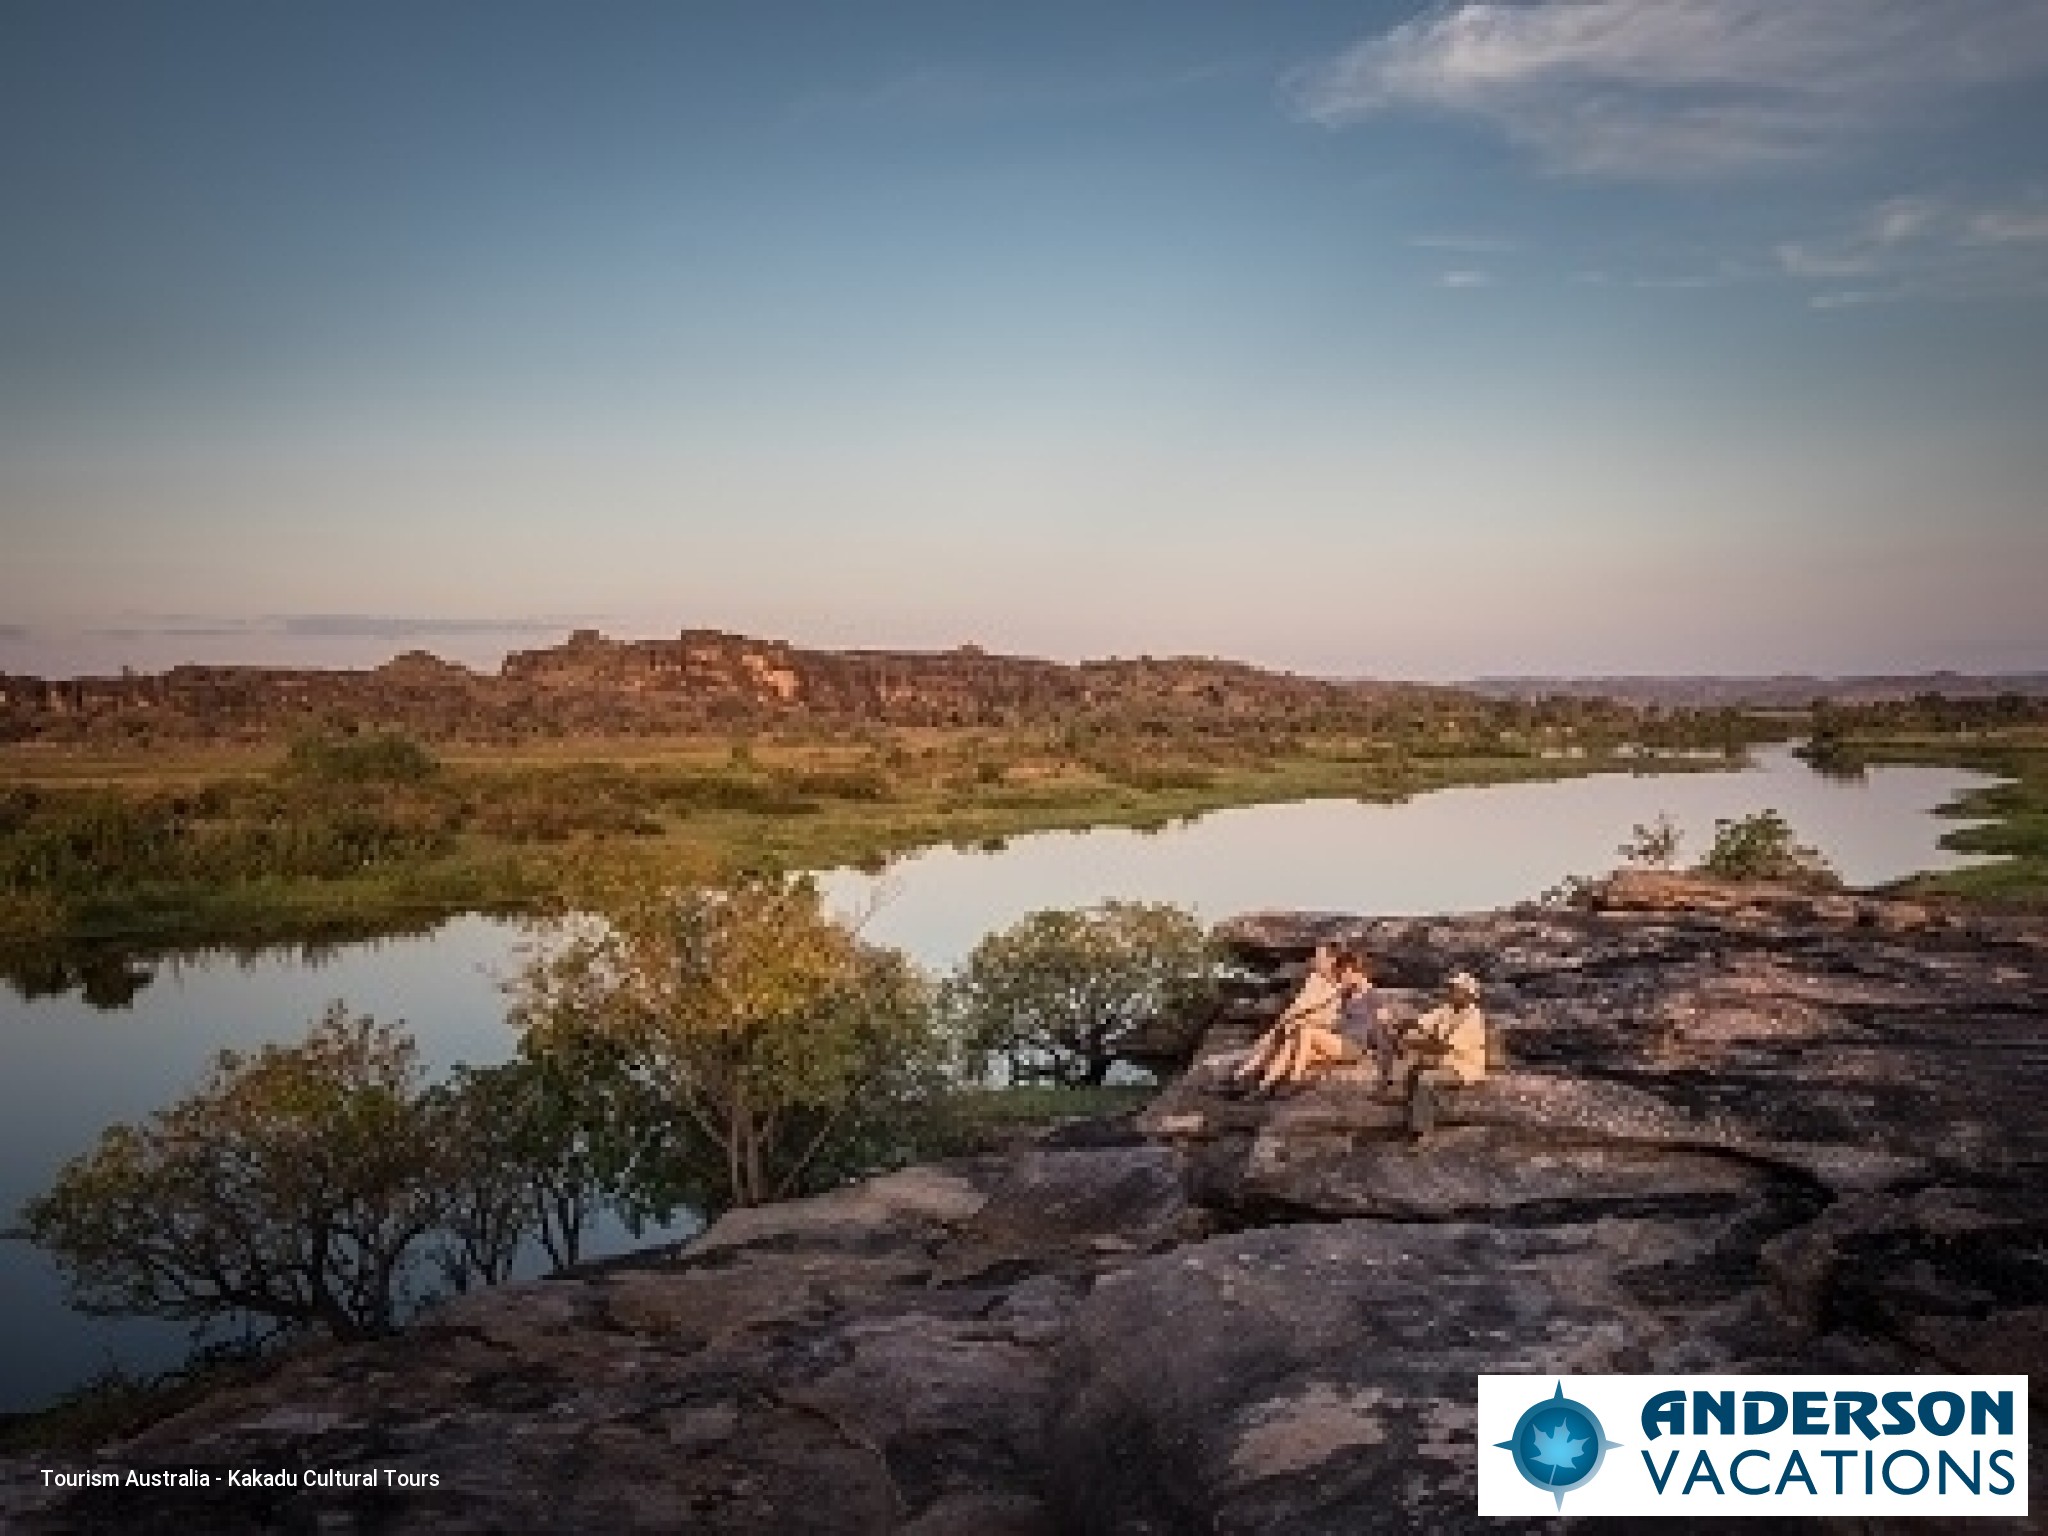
(591, 685)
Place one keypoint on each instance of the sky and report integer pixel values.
(1365, 339)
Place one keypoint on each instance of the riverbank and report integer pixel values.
(1741, 1129)
(2013, 814)
(236, 851)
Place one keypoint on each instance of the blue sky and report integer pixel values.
(1369, 338)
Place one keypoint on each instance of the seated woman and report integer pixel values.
(1271, 1060)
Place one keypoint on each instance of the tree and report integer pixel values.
(1764, 847)
(482, 1120)
(537, 1147)
(294, 1186)
(774, 1038)
(1057, 996)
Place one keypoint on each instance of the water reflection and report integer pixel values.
(1452, 850)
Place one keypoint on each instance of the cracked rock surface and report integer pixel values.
(1739, 1129)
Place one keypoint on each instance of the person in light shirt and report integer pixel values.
(1444, 1049)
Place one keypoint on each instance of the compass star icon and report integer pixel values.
(1558, 1445)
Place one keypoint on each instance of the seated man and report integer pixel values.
(1276, 1057)
(1446, 1048)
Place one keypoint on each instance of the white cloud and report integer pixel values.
(1679, 88)
(2010, 226)
(1922, 247)
(1465, 277)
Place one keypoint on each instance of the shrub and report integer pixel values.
(1654, 844)
(381, 757)
(1763, 847)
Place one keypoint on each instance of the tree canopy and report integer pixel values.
(779, 1040)
(290, 1187)
(1057, 996)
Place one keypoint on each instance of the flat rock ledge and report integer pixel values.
(1738, 1128)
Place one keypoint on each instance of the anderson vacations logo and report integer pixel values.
(1753, 1445)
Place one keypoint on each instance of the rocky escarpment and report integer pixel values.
(699, 680)
(1737, 1129)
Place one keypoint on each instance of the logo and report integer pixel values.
(1558, 1444)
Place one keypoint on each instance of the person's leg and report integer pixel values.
(1383, 1052)
(1259, 1056)
(1424, 1084)
(1320, 1048)
(1285, 1066)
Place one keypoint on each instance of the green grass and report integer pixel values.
(2014, 813)
(241, 850)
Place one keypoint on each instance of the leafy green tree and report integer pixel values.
(1764, 847)
(538, 1147)
(296, 1186)
(1057, 996)
(776, 1039)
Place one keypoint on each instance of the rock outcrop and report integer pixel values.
(700, 680)
(1737, 1129)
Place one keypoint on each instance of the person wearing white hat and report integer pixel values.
(1446, 1048)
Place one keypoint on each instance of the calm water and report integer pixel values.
(67, 1069)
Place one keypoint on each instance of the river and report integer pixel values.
(69, 1068)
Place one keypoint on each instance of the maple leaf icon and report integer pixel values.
(1559, 1449)
(1564, 1456)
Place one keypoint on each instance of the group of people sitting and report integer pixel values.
(1336, 1019)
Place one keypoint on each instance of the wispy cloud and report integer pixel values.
(1465, 277)
(1924, 247)
(1721, 277)
(2009, 226)
(1868, 245)
(1467, 245)
(1854, 298)
(1680, 88)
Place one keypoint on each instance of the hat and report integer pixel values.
(1464, 981)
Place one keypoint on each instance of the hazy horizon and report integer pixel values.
(1571, 338)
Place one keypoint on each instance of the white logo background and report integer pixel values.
(1624, 1485)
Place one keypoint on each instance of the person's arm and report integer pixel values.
(1428, 1035)
(1313, 997)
